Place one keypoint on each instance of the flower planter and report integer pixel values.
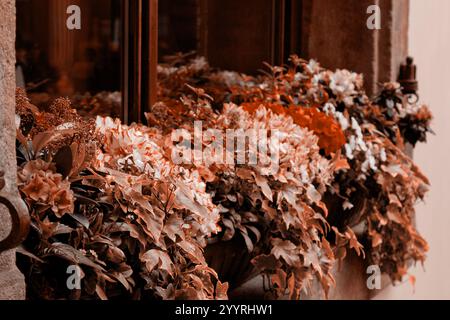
(350, 284)
(232, 262)
(341, 172)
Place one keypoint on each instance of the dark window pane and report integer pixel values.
(178, 22)
(79, 64)
(233, 34)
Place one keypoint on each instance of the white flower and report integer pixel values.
(199, 64)
(330, 109)
(17, 121)
(300, 76)
(342, 120)
(166, 71)
(390, 103)
(383, 156)
(343, 84)
(65, 126)
(348, 151)
(313, 66)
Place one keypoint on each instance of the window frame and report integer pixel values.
(139, 48)
(139, 58)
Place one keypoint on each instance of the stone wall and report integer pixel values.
(12, 283)
(335, 33)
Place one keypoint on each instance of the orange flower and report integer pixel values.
(63, 202)
(40, 184)
(251, 107)
(331, 136)
(37, 189)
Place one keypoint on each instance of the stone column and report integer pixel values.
(335, 33)
(12, 283)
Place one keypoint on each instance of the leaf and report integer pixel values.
(313, 194)
(285, 249)
(137, 233)
(24, 147)
(255, 231)
(271, 212)
(71, 254)
(340, 163)
(166, 293)
(193, 251)
(291, 285)
(279, 279)
(79, 156)
(121, 278)
(262, 183)
(173, 228)
(244, 174)
(22, 250)
(394, 170)
(394, 214)
(86, 200)
(115, 255)
(288, 218)
(42, 139)
(376, 239)
(157, 259)
(184, 200)
(353, 242)
(63, 160)
(247, 240)
(100, 292)
(419, 173)
(229, 230)
(290, 196)
(221, 290)
(312, 258)
(412, 281)
(153, 219)
(81, 219)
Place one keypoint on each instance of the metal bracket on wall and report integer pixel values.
(408, 80)
(20, 219)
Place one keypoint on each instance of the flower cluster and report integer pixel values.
(136, 151)
(43, 188)
(372, 168)
(111, 199)
(279, 215)
(327, 129)
(287, 203)
(134, 222)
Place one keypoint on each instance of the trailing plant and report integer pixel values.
(375, 184)
(133, 222)
(110, 198)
